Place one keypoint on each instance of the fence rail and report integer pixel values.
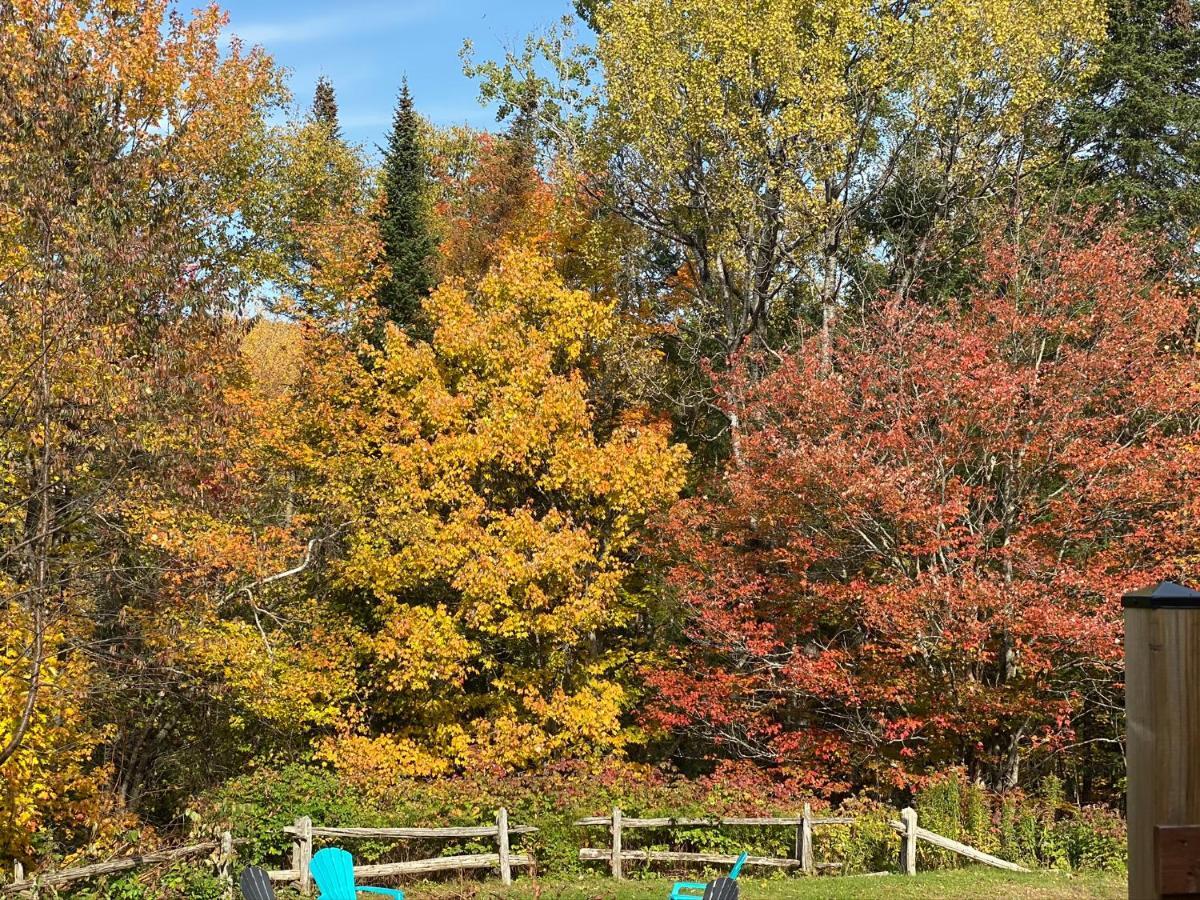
(911, 832)
(713, 858)
(418, 866)
(714, 823)
(470, 831)
(304, 833)
(802, 858)
(224, 847)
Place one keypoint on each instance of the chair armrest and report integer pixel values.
(391, 892)
(680, 888)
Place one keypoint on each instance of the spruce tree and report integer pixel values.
(1134, 137)
(519, 152)
(324, 107)
(404, 223)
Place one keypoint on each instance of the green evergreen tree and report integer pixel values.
(1134, 138)
(325, 108)
(519, 151)
(404, 221)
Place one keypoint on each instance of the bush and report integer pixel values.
(1092, 838)
(1038, 830)
(869, 845)
(180, 882)
(1034, 829)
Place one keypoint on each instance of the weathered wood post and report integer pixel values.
(18, 871)
(302, 853)
(616, 843)
(1162, 717)
(502, 840)
(225, 865)
(908, 841)
(806, 842)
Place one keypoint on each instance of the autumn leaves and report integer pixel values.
(765, 398)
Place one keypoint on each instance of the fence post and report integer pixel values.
(908, 846)
(616, 843)
(302, 853)
(18, 871)
(502, 840)
(806, 842)
(225, 865)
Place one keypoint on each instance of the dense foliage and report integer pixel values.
(914, 557)
(771, 410)
(485, 528)
(1132, 135)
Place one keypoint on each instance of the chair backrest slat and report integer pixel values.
(256, 884)
(721, 889)
(333, 871)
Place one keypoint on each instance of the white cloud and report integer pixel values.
(345, 22)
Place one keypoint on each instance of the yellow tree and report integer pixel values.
(306, 180)
(757, 141)
(130, 533)
(487, 526)
(760, 129)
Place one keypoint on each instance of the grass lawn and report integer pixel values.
(975, 883)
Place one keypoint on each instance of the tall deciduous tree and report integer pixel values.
(756, 138)
(310, 185)
(129, 137)
(916, 563)
(487, 528)
(404, 220)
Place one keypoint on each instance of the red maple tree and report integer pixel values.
(914, 561)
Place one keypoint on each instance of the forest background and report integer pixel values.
(773, 407)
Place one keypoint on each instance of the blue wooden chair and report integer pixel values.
(333, 871)
(695, 890)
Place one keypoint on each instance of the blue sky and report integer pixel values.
(366, 46)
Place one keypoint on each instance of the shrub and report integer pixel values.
(180, 882)
(1092, 838)
(1033, 829)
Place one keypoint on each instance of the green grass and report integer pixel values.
(974, 883)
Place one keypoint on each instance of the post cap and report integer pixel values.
(1164, 595)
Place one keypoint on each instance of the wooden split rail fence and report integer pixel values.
(615, 854)
(224, 862)
(304, 834)
(910, 833)
(801, 859)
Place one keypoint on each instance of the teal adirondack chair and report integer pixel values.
(694, 890)
(333, 871)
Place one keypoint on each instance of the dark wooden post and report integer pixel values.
(1162, 716)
